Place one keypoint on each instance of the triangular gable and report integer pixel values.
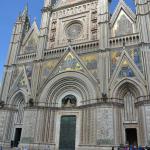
(31, 39)
(122, 7)
(70, 62)
(21, 82)
(126, 68)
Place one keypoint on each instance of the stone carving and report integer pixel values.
(29, 126)
(69, 101)
(2, 121)
(53, 33)
(29, 70)
(147, 110)
(104, 126)
(94, 25)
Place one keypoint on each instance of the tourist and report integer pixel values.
(126, 147)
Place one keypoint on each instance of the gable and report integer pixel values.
(30, 41)
(70, 61)
(126, 68)
(123, 25)
(123, 20)
(134, 54)
(21, 82)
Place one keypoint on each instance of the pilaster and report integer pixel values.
(103, 23)
(143, 20)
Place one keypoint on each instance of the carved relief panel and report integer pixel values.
(73, 28)
(52, 34)
(73, 23)
(94, 25)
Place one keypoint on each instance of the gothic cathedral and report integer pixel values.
(81, 81)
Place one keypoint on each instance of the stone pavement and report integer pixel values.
(6, 148)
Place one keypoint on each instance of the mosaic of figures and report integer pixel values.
(90, 61)
(126, 70)
(47, 68)
(17, 71)
(70, 63)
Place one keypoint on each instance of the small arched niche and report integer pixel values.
(69, 101)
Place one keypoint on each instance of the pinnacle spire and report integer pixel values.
(25, 11)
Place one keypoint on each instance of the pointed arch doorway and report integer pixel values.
(18, 103)
(128, 94)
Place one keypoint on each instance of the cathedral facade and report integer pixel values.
(81, 81)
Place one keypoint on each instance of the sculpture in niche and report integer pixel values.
(22, 82)
(69, 101)
(29, 72)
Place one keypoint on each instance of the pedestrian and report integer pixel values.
(140, 147)
(130, 148)
(126, 147)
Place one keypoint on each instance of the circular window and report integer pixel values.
(74, 30)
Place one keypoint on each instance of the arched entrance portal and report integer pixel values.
(18, 102)
(128, 93)
(68, 125)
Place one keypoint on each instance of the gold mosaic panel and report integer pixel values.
(47, 67)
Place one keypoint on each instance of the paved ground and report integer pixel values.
(9, 149)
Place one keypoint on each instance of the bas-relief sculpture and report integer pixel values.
(105, 126)
(80, 52)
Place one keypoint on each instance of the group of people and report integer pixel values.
(131, 147)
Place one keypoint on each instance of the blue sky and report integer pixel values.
(9, 10)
